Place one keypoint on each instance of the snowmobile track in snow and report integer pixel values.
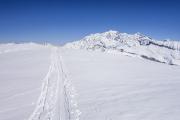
(56, 101)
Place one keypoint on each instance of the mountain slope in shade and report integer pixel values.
(132, 44)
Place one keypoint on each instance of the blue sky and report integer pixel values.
(67, 20)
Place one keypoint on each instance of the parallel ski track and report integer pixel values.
(56, 101)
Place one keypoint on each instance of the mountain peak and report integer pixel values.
(111, 32)
(110, 39)
(135, 44)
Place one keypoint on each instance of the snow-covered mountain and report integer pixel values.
(133, 44)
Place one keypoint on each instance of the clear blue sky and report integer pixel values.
(67, 20)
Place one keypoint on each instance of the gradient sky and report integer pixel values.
(67, 20)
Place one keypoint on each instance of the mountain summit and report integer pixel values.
(109, 39)
(132, 44)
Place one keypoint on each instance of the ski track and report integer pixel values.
(57, 99)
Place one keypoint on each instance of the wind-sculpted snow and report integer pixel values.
(56, 101)
(141, 45)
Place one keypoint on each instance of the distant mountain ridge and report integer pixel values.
(114, 38)
(135, 44)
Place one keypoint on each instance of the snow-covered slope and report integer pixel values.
(119, 87)
(49, 83)
(22, 69)
(13, 47)
(136, 44)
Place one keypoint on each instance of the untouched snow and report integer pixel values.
(40, 82)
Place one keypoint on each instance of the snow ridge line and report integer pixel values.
(56, 101)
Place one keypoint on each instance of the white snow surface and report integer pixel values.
(39, 82)
(120, 87)
(136, 44)
(22, 75)
(22, 68)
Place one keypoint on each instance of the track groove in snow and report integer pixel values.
(56, 101)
